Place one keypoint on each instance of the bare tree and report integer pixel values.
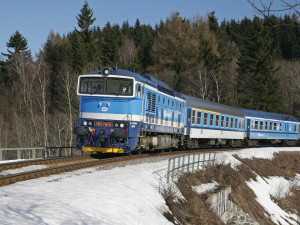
(128, 52)
(218, 90)
(69, 80)
(42, 79)
(23, 89)
(290, 85)
(201, 84)
(266, 7)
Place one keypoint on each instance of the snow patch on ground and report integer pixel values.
(22, 169)
(264, 188)
(11, 161)
(204, 188)
(122, 195)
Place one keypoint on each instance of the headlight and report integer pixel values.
(84, 123)
(90, 123)
(122, 125)
(116, 124)
(105, 71)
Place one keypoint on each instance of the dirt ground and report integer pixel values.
(195, 210)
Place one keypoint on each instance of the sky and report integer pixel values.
(36, 18)
(121, 195)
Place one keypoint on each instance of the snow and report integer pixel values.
(11, 161)
(23, 169)
(204, 188)
(264, 188)
(121, 195)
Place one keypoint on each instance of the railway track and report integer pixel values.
(61, 165)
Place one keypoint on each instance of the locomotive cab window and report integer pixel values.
(90, 85)
(117, 86)
(106, 86)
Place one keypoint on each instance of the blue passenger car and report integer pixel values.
(121, 111)
(272, 128)
(211, 123)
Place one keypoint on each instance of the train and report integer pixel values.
(123, 111)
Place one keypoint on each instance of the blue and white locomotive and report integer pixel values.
(122, 111)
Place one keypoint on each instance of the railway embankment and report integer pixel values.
(260, 190)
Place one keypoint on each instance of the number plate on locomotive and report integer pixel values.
(103, 124)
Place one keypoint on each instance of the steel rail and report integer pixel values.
(87, 162)
(19, 164)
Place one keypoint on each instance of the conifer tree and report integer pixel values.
(79, 54)
(258, 88)
(85, 21)
(19, 45)
(57, 51)
(110, 46)
(17, 48)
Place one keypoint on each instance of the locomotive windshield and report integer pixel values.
(106, 86)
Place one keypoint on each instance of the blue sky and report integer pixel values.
(36, 18)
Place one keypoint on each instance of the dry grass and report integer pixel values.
(196, 211)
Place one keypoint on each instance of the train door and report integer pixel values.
(248, 127)
(188, 128)
(143, 104)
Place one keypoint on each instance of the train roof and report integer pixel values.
(144, 78)
(268, 115)
(212, 106)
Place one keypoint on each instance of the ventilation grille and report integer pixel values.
(165, 90)
(151, 97)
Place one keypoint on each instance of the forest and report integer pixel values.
(253, 63)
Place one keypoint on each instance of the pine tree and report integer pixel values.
(79, 54)
(258, 88)
(146, 39)
(110, 46)
(19, 45)
(57, 51)
(85, 20)
(17, 49)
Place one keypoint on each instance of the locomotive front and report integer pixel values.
(108, 112)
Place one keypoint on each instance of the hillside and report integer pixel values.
(267, 187)
(132, 194)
